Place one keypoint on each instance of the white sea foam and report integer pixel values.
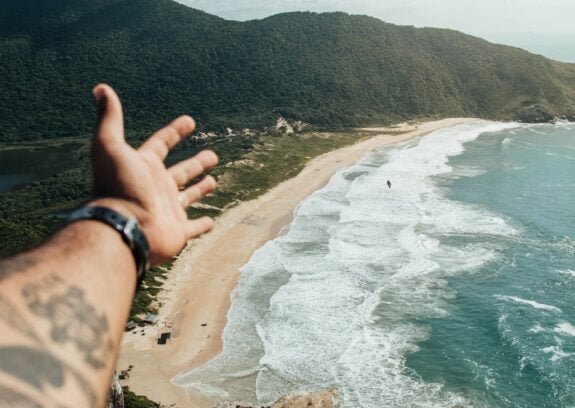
(569, 272)
(563, 156)
(564, 123)
(531, 303)
(557, 353)
(565, 328)
(531, 128)
(484, 372)
(537, 329)
(331, 303)
(466, 171)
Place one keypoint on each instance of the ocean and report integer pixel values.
(453, 288)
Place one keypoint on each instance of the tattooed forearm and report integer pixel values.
(85, 386)
(72, 319)
(42, 371)
(60, 327)
(59, 336)
(10, 399)
(11, 315)
(35, 365)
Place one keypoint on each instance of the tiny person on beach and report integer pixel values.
(389, 184)
(64, 304)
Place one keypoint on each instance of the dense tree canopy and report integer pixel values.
(331, 70)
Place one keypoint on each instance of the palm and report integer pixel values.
(141, 180)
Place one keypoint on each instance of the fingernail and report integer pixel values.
(99, 93)
(101, 100)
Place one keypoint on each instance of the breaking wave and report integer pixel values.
(335, 301)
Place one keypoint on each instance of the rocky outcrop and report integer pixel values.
(321, 399)
(324, 399)
(569, 117)
(116, 396)
(535, 114)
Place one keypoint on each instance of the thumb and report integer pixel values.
(110, 127)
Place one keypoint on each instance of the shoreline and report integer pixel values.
(196, 298)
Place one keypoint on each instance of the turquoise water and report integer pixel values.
(453, 288)
(508, 334)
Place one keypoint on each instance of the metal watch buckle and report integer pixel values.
(129, 231)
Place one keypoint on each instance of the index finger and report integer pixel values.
(165, 139)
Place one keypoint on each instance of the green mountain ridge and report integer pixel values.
(332, 70)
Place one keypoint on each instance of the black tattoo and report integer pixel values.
(12, 317)
(16, 265)
(41, 370)
(34, 365)
(10, 398)
(72, 318)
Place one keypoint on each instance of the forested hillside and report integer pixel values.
(331, 70)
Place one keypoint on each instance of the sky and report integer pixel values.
(543, 27)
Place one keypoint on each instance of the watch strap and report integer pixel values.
(128, 228)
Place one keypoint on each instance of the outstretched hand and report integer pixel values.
(138, 184)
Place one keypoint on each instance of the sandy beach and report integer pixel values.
(196, 297)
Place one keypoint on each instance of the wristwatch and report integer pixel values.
(128, 229)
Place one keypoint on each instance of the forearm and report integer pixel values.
(63, 308)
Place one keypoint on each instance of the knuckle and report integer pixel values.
(194, 167)
(172, 136)
(156, 145)
(182, 177)
(206, 188)
(193, 193)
